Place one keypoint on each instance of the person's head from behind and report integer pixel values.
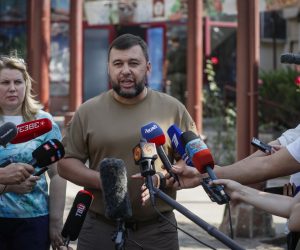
(175, 41)
(128, 65)
(15, 89)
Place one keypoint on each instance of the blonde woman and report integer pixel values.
(30, 217)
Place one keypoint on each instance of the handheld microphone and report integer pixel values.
(113, 176)
(30, 130)
(153, 133)
(204, 163)
(174, 133)
(144, 155)
(76, 216)
(290, 58)
(8, 132)
(46, 154)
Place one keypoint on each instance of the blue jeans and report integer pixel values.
(24, 233)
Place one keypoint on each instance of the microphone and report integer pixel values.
(117, 204)
(290, 58)
(174, 134)
(46, 154)
(8, 131)
(113, 176)
(144, 155)
(76, 216)
(30, 130)
(204, 163)
(153, 133)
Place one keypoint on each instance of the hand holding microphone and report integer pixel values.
(24, 187)
(204, 163)
(15, 173)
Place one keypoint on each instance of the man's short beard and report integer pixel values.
(139, 87)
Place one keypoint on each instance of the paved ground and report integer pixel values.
(197, 201)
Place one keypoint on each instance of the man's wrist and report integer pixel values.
(162, 180)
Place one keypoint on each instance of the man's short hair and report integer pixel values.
(127, 41)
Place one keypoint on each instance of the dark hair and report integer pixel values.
(127, 41)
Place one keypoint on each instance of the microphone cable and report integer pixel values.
(182, 230)
(230, 221)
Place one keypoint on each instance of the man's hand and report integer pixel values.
(189, 177)
(15, 173)
(145, 195)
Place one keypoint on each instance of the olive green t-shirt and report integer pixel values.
(102, 128)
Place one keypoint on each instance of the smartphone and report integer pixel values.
(261, 146)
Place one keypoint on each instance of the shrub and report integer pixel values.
(279, 100)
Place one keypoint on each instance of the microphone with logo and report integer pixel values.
(144, 155)
(30, 130)
(113, 176)
(46, 154)
(76, 217)
(8, 132)
(22, 133)
(174, 134)
(154, 134)
(204, 163)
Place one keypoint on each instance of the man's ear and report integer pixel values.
(149, 67)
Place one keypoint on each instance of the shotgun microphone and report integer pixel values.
(290, 58)
(113, 176)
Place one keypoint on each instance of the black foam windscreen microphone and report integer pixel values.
(290, 58)
(8, 132)
(113, 176)
(76, 216)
